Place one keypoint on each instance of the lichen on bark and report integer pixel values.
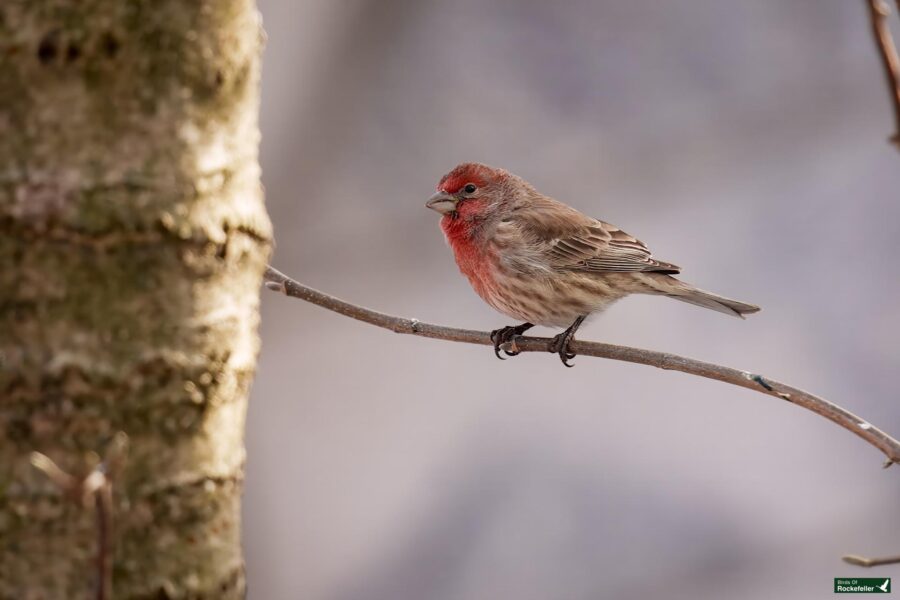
(133, 238)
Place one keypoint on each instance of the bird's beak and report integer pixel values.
(442, 202)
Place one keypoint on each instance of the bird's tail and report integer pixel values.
(688, 293)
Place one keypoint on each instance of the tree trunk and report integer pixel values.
(133, 238)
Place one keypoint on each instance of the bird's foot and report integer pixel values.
(560, 345)
(505, 335)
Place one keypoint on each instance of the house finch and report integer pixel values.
(539, 261)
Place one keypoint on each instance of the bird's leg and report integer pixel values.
(560, 343)
(506, 334)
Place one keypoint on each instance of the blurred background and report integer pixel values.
(745, 141)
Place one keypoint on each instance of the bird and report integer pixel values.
(542, 262)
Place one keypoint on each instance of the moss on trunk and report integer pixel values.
(133, 237)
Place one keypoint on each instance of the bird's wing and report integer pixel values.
(571, 241)
(604, 247)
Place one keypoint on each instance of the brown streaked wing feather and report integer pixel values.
(576, 242)
(623, 252)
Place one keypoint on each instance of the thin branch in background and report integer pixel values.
(96, 487)
(879, 12)
(863, 561)
(279, 282)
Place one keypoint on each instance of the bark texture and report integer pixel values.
(133, 239)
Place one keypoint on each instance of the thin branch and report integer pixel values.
(96, 485)
(279, 282)
(863, 561)
(879, 12)
(103, 504)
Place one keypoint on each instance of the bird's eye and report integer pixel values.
(470, 188)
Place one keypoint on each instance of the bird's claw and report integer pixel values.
(496, 337)
(505, 335)
(497, 351)
(511, 349)
(560, 345)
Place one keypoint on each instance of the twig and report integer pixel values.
(277, 281)
(96, 485)
(879, 12)
(103, 504)
(863, 561)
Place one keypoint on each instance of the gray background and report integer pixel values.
(744, 141)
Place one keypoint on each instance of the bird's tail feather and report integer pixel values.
(698, 297)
